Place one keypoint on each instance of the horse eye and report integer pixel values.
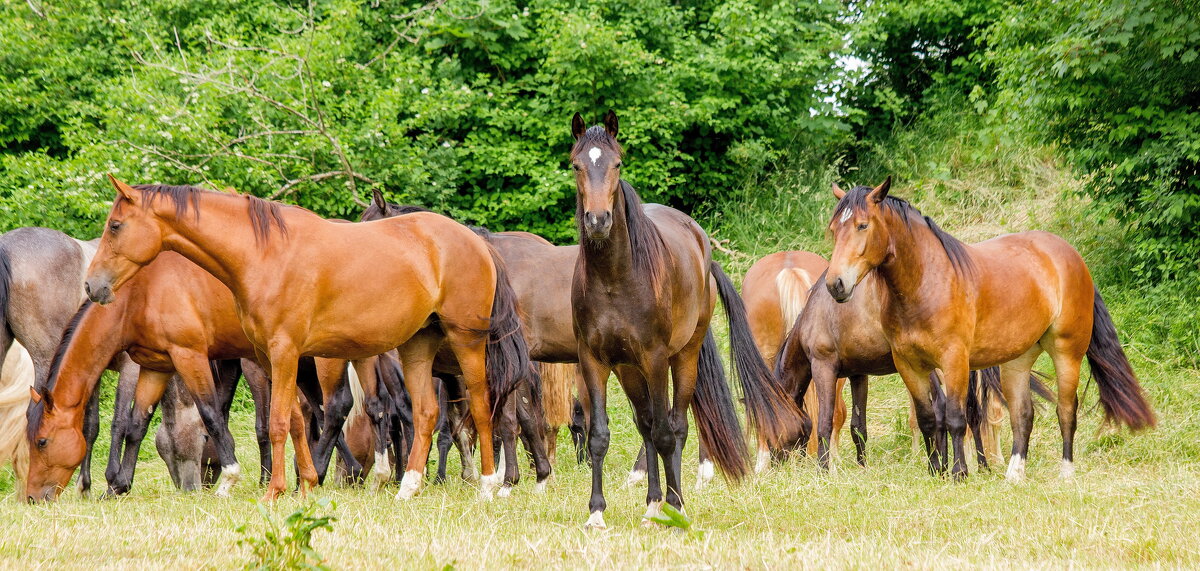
(41, 443)
(862, 226)
(576, 167)
(618, 165)
(114, 227)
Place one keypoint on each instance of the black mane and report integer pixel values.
(262, 212)
(955, 250)
(33, 416)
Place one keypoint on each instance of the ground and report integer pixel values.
(1134, 502)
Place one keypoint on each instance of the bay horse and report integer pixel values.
(947, 307)
(41, 287)
(299, 284)
(642, 296)
(775, 290)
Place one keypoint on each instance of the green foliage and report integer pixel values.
(463, 106)
(675, 519)
(288, 545)
(1115, 85)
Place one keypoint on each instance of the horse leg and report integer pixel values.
(149, 391)
(633, 382)
(127, 382)
(91, 429)
(921, 391)
(197, 374)
(671, 424)
(283, 363)
(839, 415)
(306, 472)
(705, 470)
(506, 436)
(260, 392)
(824, 378)
(469, 347)
(1067, 359)
(858, 417)
(955, 373)
(581, 417)
(638, 472)
(595, 375)
(1014, 383)
(417, 355)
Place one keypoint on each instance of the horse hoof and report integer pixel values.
(595, 522)
(504, 491)
(635, 477)
(704, 474)
(1016, 470)
(229, 477)
(1067, 470)
(540, 487)
(654, 510)
(488, 485)
(410, 484)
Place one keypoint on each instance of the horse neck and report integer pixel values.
(916, 263)
(96, 339)
(219, 240)
(611, 260)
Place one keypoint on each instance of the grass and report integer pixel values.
(1134, 502)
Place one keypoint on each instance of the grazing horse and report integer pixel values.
(301, 288)
(775, 290)
(41, 287)
(642, 297)
(947, 307)
(15, 379)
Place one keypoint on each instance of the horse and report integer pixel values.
(642, 296)
(775, 290)
(947, 307)
(183, 442)
(14, 398)
(172, 318)
(298, 282)
(41, 287)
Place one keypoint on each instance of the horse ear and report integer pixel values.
(610, 123)
(126, 191)
(41, 397)
(34, 396)
(881, 191)
(377, 198)
(838, 192)
(577, 126)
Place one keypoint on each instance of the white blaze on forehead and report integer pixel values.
(846, 215)
(594, 154)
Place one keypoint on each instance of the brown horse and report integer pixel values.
(775, 290)
(301, 288)
(171, 318)
(947, 307)
(642, 296)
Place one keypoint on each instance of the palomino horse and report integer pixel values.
(300, 285)
(16, 376)
(948, 307)
(775, 290)
(41, 287)
(642, 296)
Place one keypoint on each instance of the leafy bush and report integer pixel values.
(288, 545)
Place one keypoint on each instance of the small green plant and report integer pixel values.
(288, 546)
(674, 518)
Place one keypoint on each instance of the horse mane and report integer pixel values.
(262, 212)
(597, 135)
(955, 249)
(374, 212)
(33, 418)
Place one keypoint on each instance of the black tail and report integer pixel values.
(507, 358)
(716, 419)
(1120, 393)
(5, 280)
(773, 414)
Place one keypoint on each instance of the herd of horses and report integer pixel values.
(369, 337)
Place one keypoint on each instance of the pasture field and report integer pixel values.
(1134, 502)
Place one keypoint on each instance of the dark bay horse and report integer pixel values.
(947, 307)
(304, 285)
(775, 290)
(642, 297)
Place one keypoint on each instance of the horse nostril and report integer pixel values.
(87, 288)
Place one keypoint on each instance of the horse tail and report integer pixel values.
(507, 356)
(772, 413)
(977, 394)
(5, 283)
(792, 284)
(716, 418)
(15, 381)
(557, 380)
(1120, 394)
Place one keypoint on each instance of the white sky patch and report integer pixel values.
(594, 154)
(846, 215)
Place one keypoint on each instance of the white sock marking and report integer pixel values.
(762, 461)
(705, 474)
(229, 476)
(1067, 470)
(635, 477)
(410, 484)
(488, 485)
(1016, 469)
(595, 521)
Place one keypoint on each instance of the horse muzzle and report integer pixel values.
(840, 289)
(99, 291)
(597, 225)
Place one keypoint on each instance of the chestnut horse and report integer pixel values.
(301, 287)
(171, 318)
(775, 290)
(642, 297)
(947, 307)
